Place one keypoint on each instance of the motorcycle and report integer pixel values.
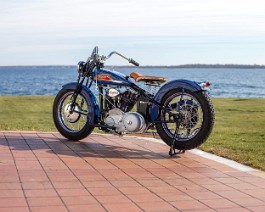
(180, 110)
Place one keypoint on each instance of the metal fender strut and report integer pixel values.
(174, 84)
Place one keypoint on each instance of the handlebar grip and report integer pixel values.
(133, 62)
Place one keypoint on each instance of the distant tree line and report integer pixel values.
(236, 66)
(221, 66)
(172, 66)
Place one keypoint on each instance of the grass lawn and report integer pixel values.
(239, 131)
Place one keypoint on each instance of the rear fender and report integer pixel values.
(171, 85)
(88, 94)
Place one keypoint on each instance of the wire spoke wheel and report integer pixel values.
(73, 119)
(188, 118)
(189, 113)
(73, 116)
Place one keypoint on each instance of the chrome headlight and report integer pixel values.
(81, 68)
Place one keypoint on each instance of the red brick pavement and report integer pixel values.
(45, 172)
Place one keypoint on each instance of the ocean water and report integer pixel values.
(225, 82)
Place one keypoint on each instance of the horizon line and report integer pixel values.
(192, 65)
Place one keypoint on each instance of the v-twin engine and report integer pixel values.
(129, 122)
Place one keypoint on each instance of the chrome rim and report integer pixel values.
(190, 116)
(73, 120)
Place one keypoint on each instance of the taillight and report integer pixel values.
(205, 85)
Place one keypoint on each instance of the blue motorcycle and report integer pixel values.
(180, 110)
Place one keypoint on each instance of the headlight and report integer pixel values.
(81, 68)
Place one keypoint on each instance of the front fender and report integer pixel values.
(88, 93)
(174, 84)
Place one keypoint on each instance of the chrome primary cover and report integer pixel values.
(133, 122)
(126, 122)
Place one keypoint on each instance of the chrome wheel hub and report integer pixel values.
(71, 116)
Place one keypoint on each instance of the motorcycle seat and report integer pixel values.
(148, 79)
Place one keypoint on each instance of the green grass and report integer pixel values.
(30, 113)
(239, 131)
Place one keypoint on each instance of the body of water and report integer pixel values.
(236, 83)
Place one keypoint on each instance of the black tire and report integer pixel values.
(61, 122)
(207, 121)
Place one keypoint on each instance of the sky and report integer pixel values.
(164, 32)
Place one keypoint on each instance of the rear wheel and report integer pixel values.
(191, 116)
(73, 120)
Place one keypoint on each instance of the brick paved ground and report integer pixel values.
(44, 172)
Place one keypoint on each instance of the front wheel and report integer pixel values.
(189, 121)
(73, 119)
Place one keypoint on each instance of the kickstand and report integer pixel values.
(172, 151)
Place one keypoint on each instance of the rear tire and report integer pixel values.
(76, 125)
(196, 123)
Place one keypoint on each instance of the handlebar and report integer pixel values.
(130, 60)
(133, 62)
(101, 59)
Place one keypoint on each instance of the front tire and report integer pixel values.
(195, 121)
(73, 124)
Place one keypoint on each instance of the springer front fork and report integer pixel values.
(77, 91)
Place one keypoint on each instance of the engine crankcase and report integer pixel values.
(126, 122)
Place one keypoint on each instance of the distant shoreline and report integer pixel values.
(234, 66)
